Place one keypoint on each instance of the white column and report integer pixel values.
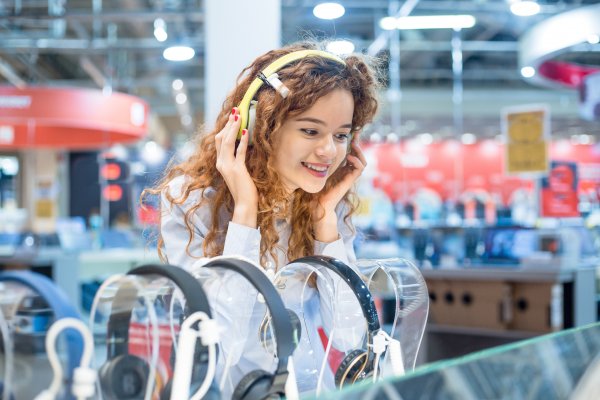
(236, 32)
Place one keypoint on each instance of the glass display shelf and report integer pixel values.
(548, 367)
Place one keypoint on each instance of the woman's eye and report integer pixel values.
(310, 132)
(342, 137)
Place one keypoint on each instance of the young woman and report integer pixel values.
(287, 191)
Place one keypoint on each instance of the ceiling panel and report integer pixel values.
(110, 42)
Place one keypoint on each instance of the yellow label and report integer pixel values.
(524, 157)
(44, 208)
(526, 127)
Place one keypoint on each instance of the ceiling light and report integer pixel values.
(468, 138)
(425, 138)
(160, 30)
(585, 139)
(387, 23)
(9, 165)
(340, 47)
(328, 10)
(375, 137)
(527, 72)
(186, 120)
(152, 153)
(392, 137)
(179, 53)
(428, 22)
(593, 39)
(177, 84)
(181, 98)
(525, 8)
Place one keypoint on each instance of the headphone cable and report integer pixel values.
(84, 377)
(324, 362)
(208, 333)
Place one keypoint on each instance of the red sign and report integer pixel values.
(69, 118)
(559, 191)
(452, 169)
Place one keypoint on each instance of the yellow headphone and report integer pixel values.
(247, 107)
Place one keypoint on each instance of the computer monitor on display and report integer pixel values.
(507, 246)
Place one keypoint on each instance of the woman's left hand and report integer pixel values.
(324, 217)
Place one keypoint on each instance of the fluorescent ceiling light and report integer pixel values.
(525, 8)
(388, 23)
(329, 10)
(179, 53)
(428, 22)
(340, 47)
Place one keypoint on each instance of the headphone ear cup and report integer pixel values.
(251, 120)
(258, 381)
(124, 378)
(296, 326)
(351, 368)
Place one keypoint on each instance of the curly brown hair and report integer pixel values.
(308, 79)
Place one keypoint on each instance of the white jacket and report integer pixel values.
(234, 301)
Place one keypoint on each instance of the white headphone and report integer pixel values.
(84, 377)
(208, 333)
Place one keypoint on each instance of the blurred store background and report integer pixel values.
(484, 162)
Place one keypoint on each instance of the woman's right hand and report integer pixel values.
(231, 163)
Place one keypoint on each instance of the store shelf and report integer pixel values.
(480, 272)
(464, 330)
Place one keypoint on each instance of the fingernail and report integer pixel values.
(244, 131)
(236, 118)
(233, 111)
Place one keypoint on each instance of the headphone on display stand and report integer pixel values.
(125, 376)
(358, 364)
(84, 377)
(260, 384)
(61, 308)
(268, 76)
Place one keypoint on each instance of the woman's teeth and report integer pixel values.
(314, 167)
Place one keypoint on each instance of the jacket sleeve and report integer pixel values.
(233, 302)
(342, 318)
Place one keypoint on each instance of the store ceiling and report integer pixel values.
(93, 43)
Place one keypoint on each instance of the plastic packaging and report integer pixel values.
(400, 290)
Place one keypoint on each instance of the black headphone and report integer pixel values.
(268, 76)
(123, 375)
(358, 363)
(260, 384)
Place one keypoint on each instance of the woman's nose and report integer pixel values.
(326, 147)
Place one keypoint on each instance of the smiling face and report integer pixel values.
(312, 145)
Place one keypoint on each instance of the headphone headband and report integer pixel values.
(244, 106)
(196, 299)
(352, 279)
(58, 302)
(280, 317)
(126, 296)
